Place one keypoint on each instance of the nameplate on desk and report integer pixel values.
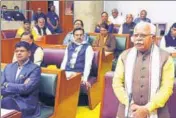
(6, 112)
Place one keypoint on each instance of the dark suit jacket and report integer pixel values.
(25, 95)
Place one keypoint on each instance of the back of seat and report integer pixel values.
(6, 34)
(53, 56)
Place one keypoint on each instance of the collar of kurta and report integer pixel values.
(108, 22)
(173, 37)
(103, 38)
(82, 43)
(147, 52)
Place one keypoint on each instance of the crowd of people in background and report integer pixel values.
(48, 25)
(79, 55)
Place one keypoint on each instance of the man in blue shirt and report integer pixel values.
(17, 15)
(142, 17)
(53, 21)
(6, 15)
(69, 37)
(128, 26)
(38, 14)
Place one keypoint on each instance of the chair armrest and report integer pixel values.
(67, 94)
(107, 60)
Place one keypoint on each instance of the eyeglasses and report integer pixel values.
(79, 35)
(16, 51)
(173, 29)
(141, 35)
(77, 24)
(103, 30)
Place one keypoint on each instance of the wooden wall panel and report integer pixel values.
(66, 21)
(33, 5)
(7, 49)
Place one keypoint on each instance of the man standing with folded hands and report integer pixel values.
(144, 77)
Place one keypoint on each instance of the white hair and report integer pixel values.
(129, 14)
(144, 24)
(115, 10)
(41, 18)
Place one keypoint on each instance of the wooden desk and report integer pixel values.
(53, 39)
(10, 114)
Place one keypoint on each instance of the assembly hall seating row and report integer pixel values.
(56, 88)
(58, 38)
(8, 46)
(53, 55)
(101, 64)
(6, 34)
(123, 40)
(47, 39)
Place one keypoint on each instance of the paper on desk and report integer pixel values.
(107, 53)
(5, 112)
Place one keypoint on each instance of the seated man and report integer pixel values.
(20, 83)
(6, 15)
(36, 51)
(116, 18)
(53, 21)
(142, 17)
(78, 57)
(128, 26)
(26, 29)
(17, 15)
(41, 28)
(105, 39)
(104, 19)
(168, 42)
(69, 37)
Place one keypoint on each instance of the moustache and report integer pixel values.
(138, 42)
(79, 39)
